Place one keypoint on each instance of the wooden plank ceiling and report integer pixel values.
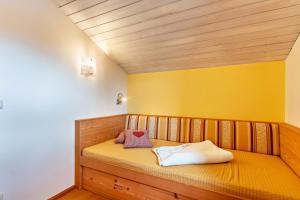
(160, 35)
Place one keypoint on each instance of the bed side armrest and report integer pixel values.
(289, 146)
(89, 132)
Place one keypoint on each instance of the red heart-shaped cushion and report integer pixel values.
(138, 133)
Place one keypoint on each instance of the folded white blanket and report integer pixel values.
(192, 153)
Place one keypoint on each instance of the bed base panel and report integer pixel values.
(178, 190)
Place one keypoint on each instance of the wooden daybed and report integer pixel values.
(107, 169)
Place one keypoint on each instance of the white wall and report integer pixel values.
(43, 94)
(292, 99)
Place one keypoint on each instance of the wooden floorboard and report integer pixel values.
(81, 195)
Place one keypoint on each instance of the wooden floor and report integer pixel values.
(81, 195)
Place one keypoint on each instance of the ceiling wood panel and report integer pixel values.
(94, 13)
(239, 52)
(133, 7)
(208, 63)
(156, 35)
(181, 44)
(219, 35)
(233, 32)
(220, 47)
(157, 13)
(203, 10)
(80, 5)
(211, 61)
(192, 28)
(198, 16)
(63, 2)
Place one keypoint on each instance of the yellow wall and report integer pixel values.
(247, 92)
(292, 105)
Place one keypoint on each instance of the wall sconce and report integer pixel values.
(88, 66)
(121, 99)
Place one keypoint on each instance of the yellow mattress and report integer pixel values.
(249, 175)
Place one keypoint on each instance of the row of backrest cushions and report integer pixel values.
(259, 137)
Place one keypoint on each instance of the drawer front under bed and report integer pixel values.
(119, 188)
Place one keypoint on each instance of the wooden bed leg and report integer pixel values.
(78, 178)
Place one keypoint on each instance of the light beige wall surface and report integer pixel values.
(292, 99)
(43, 93)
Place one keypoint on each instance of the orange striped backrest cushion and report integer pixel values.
(142, 122)
(162, 128)
(243, 136)
(226, 134)
(261, 138)
(185, 129)
(197, 130)
(275, 139)
(152, 126)
(249, 136)
(174, 129)
(211, 131)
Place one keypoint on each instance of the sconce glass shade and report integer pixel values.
(120, 98)
(88, 66)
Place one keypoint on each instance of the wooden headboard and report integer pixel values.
(89, 132)
(290, 146)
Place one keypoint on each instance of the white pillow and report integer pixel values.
(192, 153)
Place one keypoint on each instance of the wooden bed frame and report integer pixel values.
(119, 183)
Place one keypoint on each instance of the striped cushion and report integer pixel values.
(256, 137)
(184, 130)
(243, 136)
(211, 131)
(174, 129)
(152, 126)
(142, 122)
(132, 122)
(197, 130)
(275, 139)
(261, 138)
(226, 134)
(162, 128)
